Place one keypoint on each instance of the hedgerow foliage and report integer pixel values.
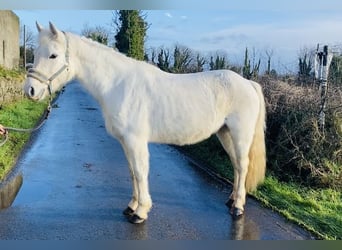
(297, 149)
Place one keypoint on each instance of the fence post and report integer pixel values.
(323, 60)
(24, 47)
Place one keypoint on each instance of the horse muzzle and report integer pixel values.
(35, 90)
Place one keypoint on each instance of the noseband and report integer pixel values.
(42, 78)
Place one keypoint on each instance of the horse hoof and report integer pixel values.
(230, 203)
(237, 213)
(128, 211)
(135, 219)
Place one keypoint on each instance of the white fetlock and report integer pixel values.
(133, 204)
(142, 212)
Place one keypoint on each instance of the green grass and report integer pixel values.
(22, 114)
(11, 74)
(317, 210)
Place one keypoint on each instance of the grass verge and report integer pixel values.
(317, 210)
(23, 113)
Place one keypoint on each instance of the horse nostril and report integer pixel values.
(31, 92)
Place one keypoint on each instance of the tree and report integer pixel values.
(335, 71)
(269, 54)
(250, 71)
(98, 34)
(220, 62)
(27, 45)
(131, 32)
(182, 58)
(164, 60)
(199, 63)
(305, 66)
(153, 56)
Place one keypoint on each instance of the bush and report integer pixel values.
(296, 148)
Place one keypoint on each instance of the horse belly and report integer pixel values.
(187, 115)
(184, 130)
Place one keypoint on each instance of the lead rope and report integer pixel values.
(27, 130)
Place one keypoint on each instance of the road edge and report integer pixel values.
(11, 183)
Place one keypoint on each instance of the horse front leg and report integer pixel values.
(137, 154)
(133, 204)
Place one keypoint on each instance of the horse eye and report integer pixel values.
(53, 56)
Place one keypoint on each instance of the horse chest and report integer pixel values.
(122, 117)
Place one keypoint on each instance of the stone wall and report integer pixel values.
(9, 39)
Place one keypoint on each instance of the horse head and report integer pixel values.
(50, 69)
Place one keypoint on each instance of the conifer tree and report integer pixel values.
(131, 32)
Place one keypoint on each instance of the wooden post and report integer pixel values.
(24, 57)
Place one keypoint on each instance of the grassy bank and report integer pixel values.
(317, 210)
(21, 114)
(15, 111)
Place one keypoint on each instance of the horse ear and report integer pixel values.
(39, 27)
(53, 29)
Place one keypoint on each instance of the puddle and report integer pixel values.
(9, 190)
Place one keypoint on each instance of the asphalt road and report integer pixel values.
(76, 184)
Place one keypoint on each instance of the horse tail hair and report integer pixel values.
(257, 152)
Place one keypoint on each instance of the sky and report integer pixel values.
(283, 29)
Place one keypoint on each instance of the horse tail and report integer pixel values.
(257, 152)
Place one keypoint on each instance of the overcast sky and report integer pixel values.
(282, 27)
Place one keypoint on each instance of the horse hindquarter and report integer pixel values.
(243, 139)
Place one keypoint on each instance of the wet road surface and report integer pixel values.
(76, 184)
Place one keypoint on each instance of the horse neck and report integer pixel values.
(97, 67)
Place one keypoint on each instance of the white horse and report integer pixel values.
(142, 104)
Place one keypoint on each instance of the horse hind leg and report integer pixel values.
(240, 196)
(242, 136)
(237, 139)
(227, 143)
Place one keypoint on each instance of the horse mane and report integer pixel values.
(97, 44)
(114, 51)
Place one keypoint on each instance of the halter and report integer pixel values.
(42, 78)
